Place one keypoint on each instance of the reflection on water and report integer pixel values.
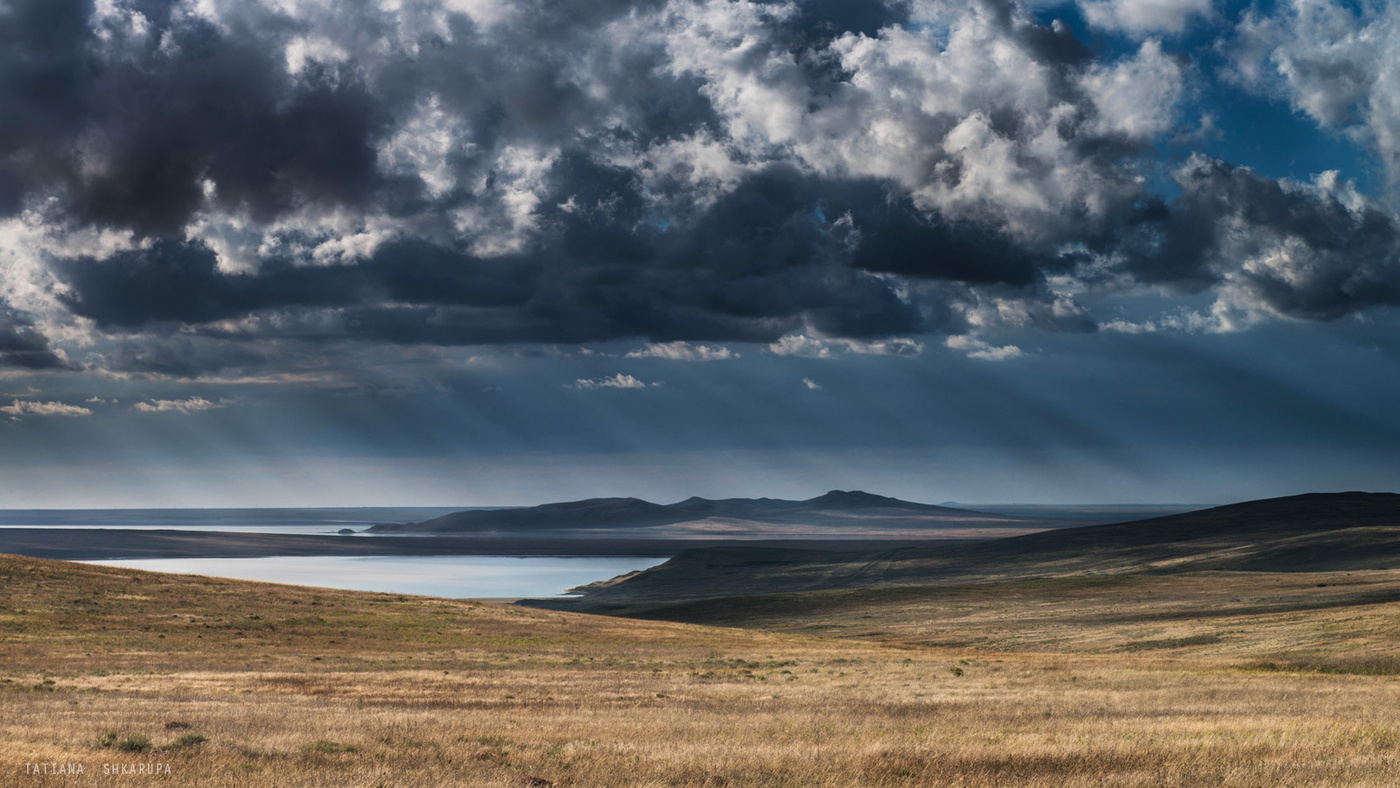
(454, 576)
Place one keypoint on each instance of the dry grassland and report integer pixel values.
(1343, 622)
(244, 684)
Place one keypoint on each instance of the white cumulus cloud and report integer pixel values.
(618, 381)
(186, 406)
(21, 407)
(804, 346)
(1336, 62)
(683, 351)
(1143, 16)
(976, 347)
(1136, 97)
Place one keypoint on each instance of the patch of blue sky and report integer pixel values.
(1275, 141)
(1226, 120)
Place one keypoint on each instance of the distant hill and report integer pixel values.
(1302, 533)
(852, 512)
(587, 514)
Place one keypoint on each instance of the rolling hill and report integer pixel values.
(852, 514)
(1318, 532)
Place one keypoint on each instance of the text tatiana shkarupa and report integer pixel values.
(129, 769)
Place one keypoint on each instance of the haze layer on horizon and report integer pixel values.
(259, 253)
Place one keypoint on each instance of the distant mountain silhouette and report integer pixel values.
(838, 508)
(586, 514)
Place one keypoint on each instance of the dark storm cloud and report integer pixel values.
(23, 346)
(127, 136)
(183, 357)
(178, 282)
(824, 19)
(1311, 256)
(223, 110)
(576, 172)
(897, 238)
(43, 70)
(760, 262)
(128, 125)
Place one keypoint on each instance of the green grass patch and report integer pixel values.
(136, 742)
(1203, 639)
(1377, 665)
(328, 747)
(188, 739)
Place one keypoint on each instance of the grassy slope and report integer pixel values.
(1332, 622)
(1035, 683)
(1307, 533)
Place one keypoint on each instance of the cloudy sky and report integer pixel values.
(330, 252)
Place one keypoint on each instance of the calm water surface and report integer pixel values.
(454, 576)
(267, 521)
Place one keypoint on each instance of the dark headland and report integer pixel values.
(853, 514)
(1318, 532)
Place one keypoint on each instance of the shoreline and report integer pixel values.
(101, 544)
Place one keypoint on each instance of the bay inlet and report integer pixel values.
(451, 576)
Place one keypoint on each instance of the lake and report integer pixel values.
(453, 576)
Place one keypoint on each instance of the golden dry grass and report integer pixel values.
(303, 687)
(1336, 621)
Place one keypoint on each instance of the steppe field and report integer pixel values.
(1204, 679)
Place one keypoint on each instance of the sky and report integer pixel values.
(482, 252)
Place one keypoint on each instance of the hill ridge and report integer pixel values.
(836, 507)
(1308, 532)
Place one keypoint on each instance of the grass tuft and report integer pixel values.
(136, 742)
(328, 747)
(189, 739)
